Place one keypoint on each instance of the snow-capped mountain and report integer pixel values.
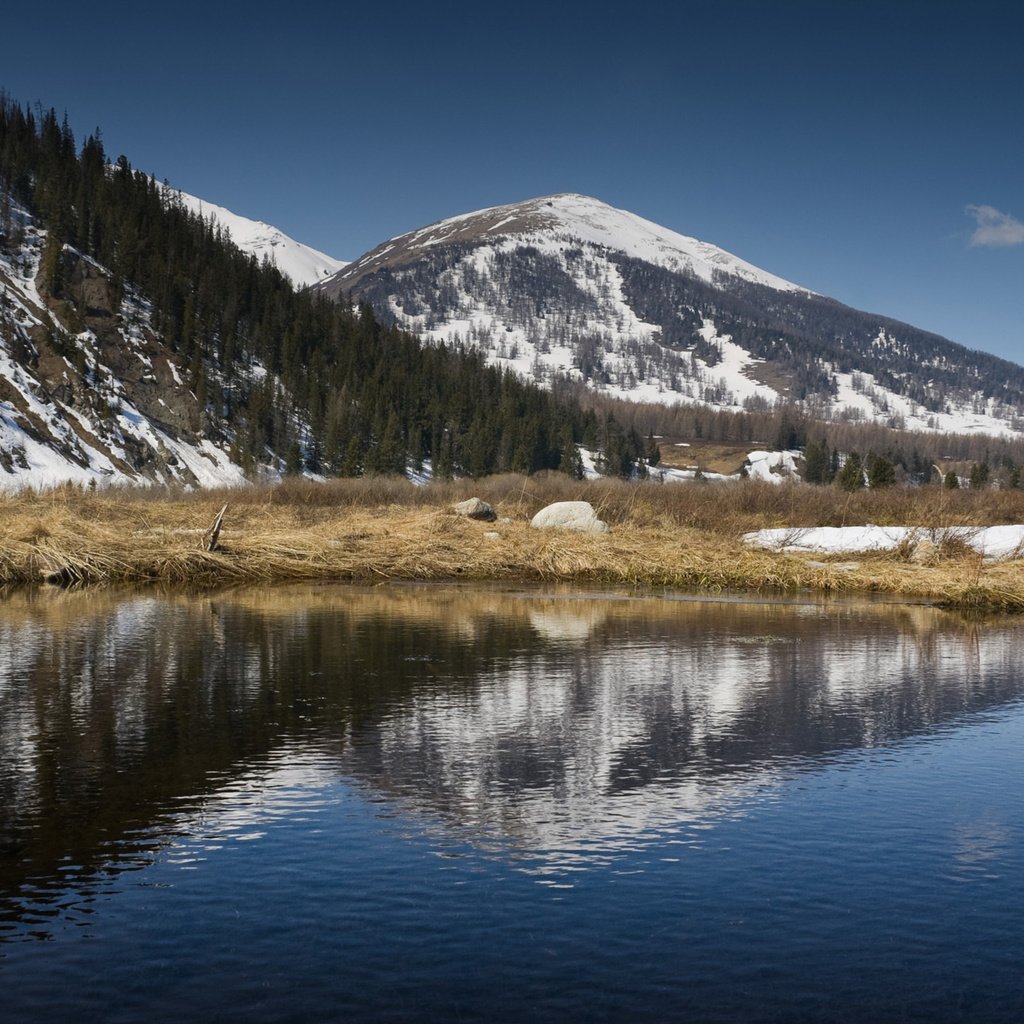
(568, 285)
(301, 263)
(581, 219)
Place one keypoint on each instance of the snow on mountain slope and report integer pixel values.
(303, 264)
(566, 285)
(101, 403)
(586, 220)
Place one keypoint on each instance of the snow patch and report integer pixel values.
(592, 221)
(993, 542)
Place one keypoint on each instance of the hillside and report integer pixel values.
(89, 392)
(147, 336)
(566, 285)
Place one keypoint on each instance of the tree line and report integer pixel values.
(915, 457)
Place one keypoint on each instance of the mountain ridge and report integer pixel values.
(301, 264)
(582, 217)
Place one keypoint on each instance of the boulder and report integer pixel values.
(474, 508)
(569, 515)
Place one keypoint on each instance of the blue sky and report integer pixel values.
(852, 147)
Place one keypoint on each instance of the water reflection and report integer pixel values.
(553, 730)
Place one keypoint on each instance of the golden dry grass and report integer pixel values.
(709, 456)
(661, 536)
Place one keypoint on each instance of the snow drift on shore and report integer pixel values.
(994, 542)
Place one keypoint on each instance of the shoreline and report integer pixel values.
(98, 540)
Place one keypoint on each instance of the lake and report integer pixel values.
(413, 803)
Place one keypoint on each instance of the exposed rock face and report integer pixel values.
(90, 393)
(474, 508)
(569, 515)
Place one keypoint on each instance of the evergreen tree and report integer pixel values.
(6, 219)
(881, 472)
(570, 461)
(817, 467)
(352, 461)
(792, 431)
(652, 453)
(388, 455)
(851, 475)
(51, 266)
(443, 460)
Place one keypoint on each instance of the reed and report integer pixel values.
(661, 537)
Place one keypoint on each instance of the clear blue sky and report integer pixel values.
(852, 147)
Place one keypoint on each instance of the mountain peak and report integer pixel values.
(553, 220)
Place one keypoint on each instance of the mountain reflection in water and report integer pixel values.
(558, 730)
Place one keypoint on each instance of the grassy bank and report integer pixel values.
(661, 536)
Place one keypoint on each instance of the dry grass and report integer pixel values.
(662, 536)
(709, 456)
(726, 508)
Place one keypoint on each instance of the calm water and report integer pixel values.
(399, 804)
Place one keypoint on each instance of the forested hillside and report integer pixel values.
(283, 377)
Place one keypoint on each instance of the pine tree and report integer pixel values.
(652, 453)
(881, 472)
(6, 219)
(851, 475)
(817, 468)
(570, 461)
(352, 462)
(51, 266)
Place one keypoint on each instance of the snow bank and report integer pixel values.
(994, 542)
(774, 467)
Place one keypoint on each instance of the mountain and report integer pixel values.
(302, 264)
(140, 343)
(567, 286)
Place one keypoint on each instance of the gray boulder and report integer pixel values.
(474, 508)
(569, 515)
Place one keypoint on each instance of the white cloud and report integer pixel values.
(995, 227)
